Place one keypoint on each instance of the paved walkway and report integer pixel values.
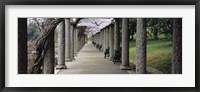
(91, 61)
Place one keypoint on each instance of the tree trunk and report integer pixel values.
(155, 29)
(49, 55)
(155, 32)
(22, 46)
(177, 46)
(125, 44)
(45, 47)
(141, 42)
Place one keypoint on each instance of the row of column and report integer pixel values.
(109, 37)
(69, 43)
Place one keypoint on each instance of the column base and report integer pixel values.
(68, 60)
(61, 67)
(122, 67)
(110, 59)
(73, 59)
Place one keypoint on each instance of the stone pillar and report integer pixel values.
(107, 33)
(61, 47)
(72, 43)
(22, 46)
(67, 40)
(125, 45)
(102, 40)
(81, 42)
(77, 41)
(98, 37)
(141, 42)
(104, 32)
(75, 45)
(116, 35)
(111, 41)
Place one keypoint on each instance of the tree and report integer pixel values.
(132, 27)
(45, 46)
(141, 42)
(158, 26)
(177, 46)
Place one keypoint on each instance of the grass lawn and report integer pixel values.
(159, 54)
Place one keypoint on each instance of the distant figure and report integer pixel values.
(117, 56)
(97, 46)
(93, 43)
(100, 46)
(106, 52)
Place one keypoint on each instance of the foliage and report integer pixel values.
(159, 54)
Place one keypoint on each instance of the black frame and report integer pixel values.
(3, 3)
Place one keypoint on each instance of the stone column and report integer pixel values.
(141, 42)
(22, 46)
(111, 40)
(77, 41)
(125, 45)
(61, 47)
(116, 35)
(72, 43)
(104, 32)
(102, 40)
(98, 38)
(67, 40)
(107, 32)
(75, 45)
(81, 42)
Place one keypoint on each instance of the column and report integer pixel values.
(111, 40)
(102, 40)
(72, 42)
(77, 41)
(141, 42)
(61, 47)
(125, 45)
(75, 45)
(104, 32)
(67, 40)
(107, 32)
(116, 35)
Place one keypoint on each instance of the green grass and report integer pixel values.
(159, 54)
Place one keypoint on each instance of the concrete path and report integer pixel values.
(91, 61)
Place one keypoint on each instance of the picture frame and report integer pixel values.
(99, 2)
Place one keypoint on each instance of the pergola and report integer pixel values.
(105, 32)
